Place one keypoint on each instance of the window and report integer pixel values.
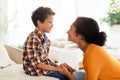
(20, 24)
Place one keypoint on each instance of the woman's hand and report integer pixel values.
(70, 69)
(63, 70)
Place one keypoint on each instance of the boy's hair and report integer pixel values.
(41, 14)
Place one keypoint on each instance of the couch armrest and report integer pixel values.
(14, 53)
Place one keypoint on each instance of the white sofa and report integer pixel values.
(11, 65)
(61, 51)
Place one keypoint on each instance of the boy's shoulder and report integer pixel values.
(32, 34)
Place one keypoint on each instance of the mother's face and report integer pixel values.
(72, 34)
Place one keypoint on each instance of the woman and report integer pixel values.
(97, 62)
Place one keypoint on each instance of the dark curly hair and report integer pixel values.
(41, 14)
(89, 29)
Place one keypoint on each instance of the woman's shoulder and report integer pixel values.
(95, 49)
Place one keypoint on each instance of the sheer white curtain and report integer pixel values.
(3, 20)
(66, 11)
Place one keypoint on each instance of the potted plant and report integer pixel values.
(113, 14)
(113, 21)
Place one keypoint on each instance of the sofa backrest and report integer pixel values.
(14, 53)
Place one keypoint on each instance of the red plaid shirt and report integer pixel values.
(36, 49)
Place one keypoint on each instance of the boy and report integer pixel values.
(36, 47)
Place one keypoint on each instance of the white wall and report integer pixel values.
(66, 12)
(3, 20)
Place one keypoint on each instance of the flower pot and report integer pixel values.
(114, 35)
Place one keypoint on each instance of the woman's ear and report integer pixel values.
(81, 37)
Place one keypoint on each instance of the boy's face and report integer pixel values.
(47, 25)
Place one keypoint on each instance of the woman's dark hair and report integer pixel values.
(89, 29)
(41, 14)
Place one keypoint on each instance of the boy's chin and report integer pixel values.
(69, 39)
(48, 31)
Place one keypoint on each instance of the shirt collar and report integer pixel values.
(40, 34)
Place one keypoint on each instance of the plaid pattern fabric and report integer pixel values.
(36, 49)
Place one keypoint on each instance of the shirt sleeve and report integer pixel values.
(32, 50)
(92, 65)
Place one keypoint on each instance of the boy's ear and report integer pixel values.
(39, 22)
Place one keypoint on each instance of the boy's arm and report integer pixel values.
(34, 54)
(53, 64)
(46, 67)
